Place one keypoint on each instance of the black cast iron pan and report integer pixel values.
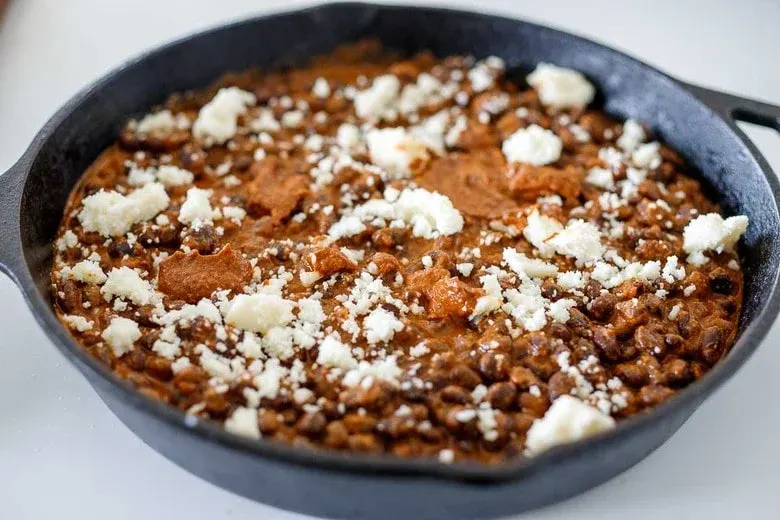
(699, 123)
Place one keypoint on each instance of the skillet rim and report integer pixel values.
(383, 465)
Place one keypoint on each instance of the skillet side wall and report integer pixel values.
(79, 132)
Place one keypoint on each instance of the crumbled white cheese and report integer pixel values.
(647, 155)
(611, 157)
(395, 150)
(250, 346)
(384, 369)
(711, 232)
(381, 325)
(552, 200)
(671, 272)
(121, 334)
(292, 119)
(110, 213)
(559, 310)
(85, 271)
(223, 168)
(335, 354)
(264, 122)
(269, 381)
(567, 420)
(633, 135)
(78, 323)
(259, 312)
(243, 422)
(310, 311)
(234, 213)
(601, 177)
(579, 239)
(348, 136)
(429, 213)
(424, 91)
(571, 280)
(140, 176)
(579, 133)
(452, 137)
(180, 364)
(521, 264)
(168, 344)
(346, 227)
(697, 258)
(309, 278)
(465, 268)
(217, 121)
(67, 240)
(480, 392)
(486, 424)
(217, 365)
(174, 176)
(610, 276)
(419, 350)
(375, 102)
(205, 308)
(526, 305)
(321, 88)
(559, 87)
(385, 100)
(492, 299)
(161, 122)
(314, 142)
(465, 416)
(446, 456)
(303, 395)
(606, 274)
(432, 131)
(278, 342)
(123, 282)
(196, 206)
(533, 145)
(538, 230)
(483, 75)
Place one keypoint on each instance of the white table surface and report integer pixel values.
(63, 454)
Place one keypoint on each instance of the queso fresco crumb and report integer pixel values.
(405, 256)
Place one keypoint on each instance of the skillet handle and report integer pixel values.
(736, 108)
(11, 183)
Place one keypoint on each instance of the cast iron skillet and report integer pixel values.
(700, 123)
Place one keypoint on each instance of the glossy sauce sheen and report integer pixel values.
(465, 387)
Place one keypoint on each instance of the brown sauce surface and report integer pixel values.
(633, 345)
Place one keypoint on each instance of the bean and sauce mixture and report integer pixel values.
(413, 256)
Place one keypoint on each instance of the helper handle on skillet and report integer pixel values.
(736, 108)
(11, 184)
